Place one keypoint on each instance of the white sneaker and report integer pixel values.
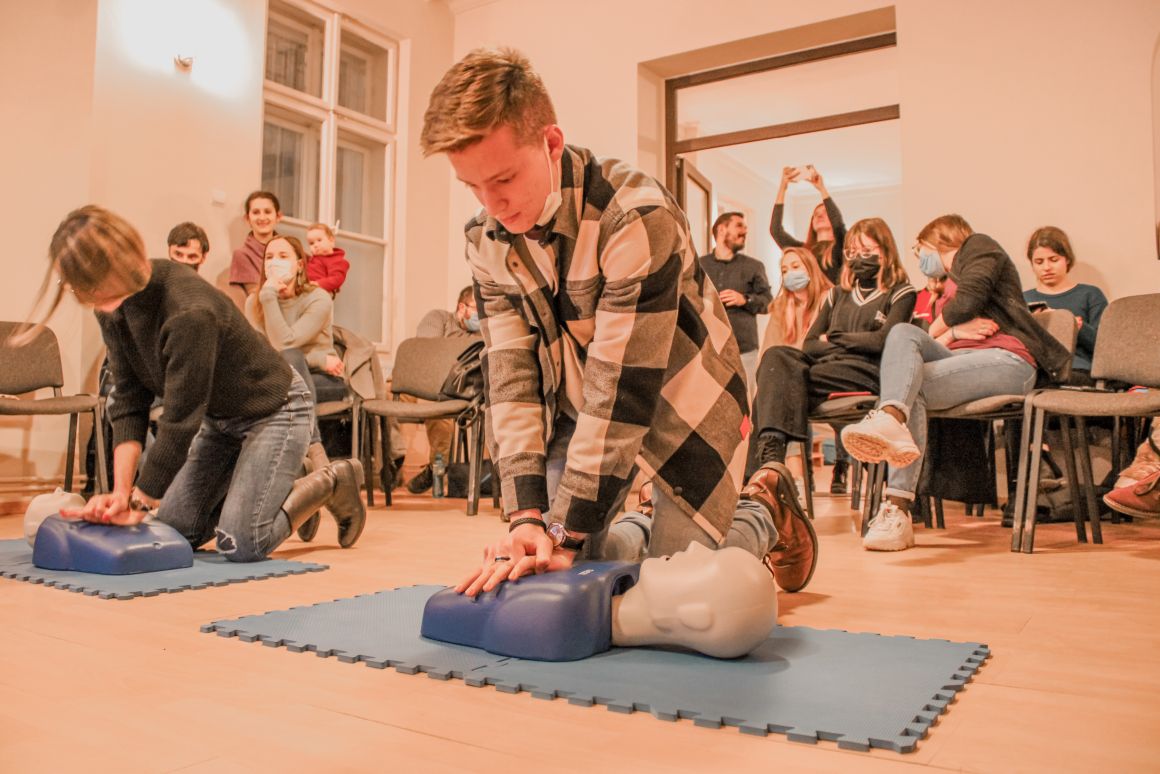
(879, 437)
(890, 530)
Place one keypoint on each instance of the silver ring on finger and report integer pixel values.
(499, 559)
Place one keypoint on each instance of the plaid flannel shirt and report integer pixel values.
(609, 319)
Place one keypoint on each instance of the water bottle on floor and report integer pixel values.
(438, 477)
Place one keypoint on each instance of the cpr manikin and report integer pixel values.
(721, 603)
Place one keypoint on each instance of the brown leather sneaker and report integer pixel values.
(1141, 499)
(795, 556)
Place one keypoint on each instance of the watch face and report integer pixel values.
(556, 532)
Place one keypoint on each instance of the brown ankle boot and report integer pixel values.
(336, 487)
(345, 504)
(795, 556)
(313, 462)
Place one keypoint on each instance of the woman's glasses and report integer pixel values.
(854, 255)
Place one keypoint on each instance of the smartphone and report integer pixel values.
(805, 172)
(1037, 306)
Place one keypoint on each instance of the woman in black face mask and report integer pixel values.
(841, 350)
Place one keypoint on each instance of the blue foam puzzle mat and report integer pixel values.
(858, 690)
(209, 569)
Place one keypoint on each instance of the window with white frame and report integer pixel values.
(328, 140)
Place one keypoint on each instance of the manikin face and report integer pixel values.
(733, 234)
(722, 603)
(319, 242)
(262, 218)
(1049, 266)
(511, 181)
(189, 253)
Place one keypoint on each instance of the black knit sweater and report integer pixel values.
(184, 341)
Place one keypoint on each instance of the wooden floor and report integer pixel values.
(1073, 685)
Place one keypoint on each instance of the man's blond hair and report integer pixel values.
(486, 89)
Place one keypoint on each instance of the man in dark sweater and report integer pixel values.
(741, 284)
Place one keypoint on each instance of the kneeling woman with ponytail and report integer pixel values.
(237, 419)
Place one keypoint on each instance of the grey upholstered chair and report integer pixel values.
(1127, 350)
(36, 366)
(1060, 323)
(421, 367)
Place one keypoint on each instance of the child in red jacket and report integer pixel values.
(328, 266)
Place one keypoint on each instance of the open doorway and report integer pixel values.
(834, 107)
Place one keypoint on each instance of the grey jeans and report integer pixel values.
(919, 373)
(237, 475)
(669, 530)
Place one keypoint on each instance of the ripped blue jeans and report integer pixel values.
(237, 475)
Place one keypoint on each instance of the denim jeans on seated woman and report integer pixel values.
(236, 477)
(918, 374)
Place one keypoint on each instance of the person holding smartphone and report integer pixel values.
(1052, 259)
(826, 235)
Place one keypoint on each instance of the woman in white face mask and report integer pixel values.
(793, 311)
(297, 317)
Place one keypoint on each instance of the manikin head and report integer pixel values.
(721, 603)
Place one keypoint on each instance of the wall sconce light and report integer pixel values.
(184, 63)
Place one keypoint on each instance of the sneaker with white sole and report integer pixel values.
(879, 437)
(890, 530)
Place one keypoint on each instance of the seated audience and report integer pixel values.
(439, 323)
(262, 213)
(826, 236)
(741, 285)
(188, 244)
(328, 266)
(1052, 259)
(841, 350)
(237, 419)
(982, 342)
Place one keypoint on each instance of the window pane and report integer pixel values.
(359, 178)
(359, 305)
(294, 49)
(290, 165)
(362, 76)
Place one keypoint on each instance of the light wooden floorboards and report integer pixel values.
(1073, 685)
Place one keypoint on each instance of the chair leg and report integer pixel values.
(72, 451)
(1078, 504)
(856, 469)
(875, 478)
(474, 465)
(99, 440)
(367, 455)
(939, 521)
(926, 508)
(1023, 455)
(1027, 534)
(808, 473)
(384, 431)
(355, 428)
(1085, 458)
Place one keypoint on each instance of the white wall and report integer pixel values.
(45, 158)
(1013, 114)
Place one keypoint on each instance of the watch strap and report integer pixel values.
(527, 520)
